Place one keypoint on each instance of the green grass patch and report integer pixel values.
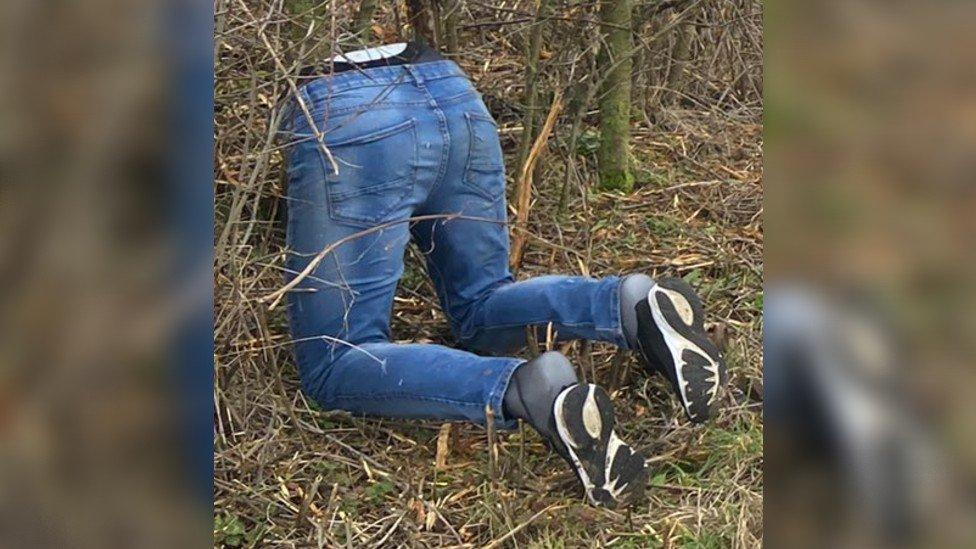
(662, 225)
(703, 540)
(378, 492)
(228, 530)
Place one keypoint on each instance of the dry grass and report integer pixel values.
(290, 474)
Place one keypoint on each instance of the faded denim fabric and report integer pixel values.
(411, 141)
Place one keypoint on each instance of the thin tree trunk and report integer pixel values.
(679, 59)
(530, 96)
(420, 17)
(583, 95)
(437, 22)
(641, 73)
(451, 26)
(613, 155)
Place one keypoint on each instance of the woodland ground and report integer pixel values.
(289, 474)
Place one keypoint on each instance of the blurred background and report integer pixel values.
(870, 128)
(106, 156)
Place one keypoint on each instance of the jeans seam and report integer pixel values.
(446, 134)
(458, 98)
(446, 306)
(377, 135)
(473, 309)
(334, 198)
(496, 396)
(315, 112)
(615, 304)
(372, 106)
(591, 325)
(404, 396)
(469, 164)
(350, 82)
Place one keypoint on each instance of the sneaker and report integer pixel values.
(612, 473)
(672, 340)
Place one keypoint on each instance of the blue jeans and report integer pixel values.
(414, 154)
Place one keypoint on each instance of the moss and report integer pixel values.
(617, 180)
(614, 152)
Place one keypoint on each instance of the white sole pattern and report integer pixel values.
(593, 424)
(677, 344)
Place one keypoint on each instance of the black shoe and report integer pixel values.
(612, 473)
(671, 338)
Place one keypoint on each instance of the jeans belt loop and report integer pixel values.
(412, 70)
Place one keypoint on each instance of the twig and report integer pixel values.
(319, 136)
(492, 454)
(524, 197)
(520, 527)
(275, 297)
(307, 501)
(531, 341)
(443, 447)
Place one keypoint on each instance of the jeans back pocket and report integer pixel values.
(375, 172)
(485, 168)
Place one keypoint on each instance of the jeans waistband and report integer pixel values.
(383, 76)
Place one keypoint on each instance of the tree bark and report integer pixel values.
(530, 97)
(451, 26)
(614, 153)
(420, 16)
(679, 59)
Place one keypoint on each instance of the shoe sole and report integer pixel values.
(612, 473)
(679, 343)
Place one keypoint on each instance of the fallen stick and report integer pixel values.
(498, 542)
(523, 199)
